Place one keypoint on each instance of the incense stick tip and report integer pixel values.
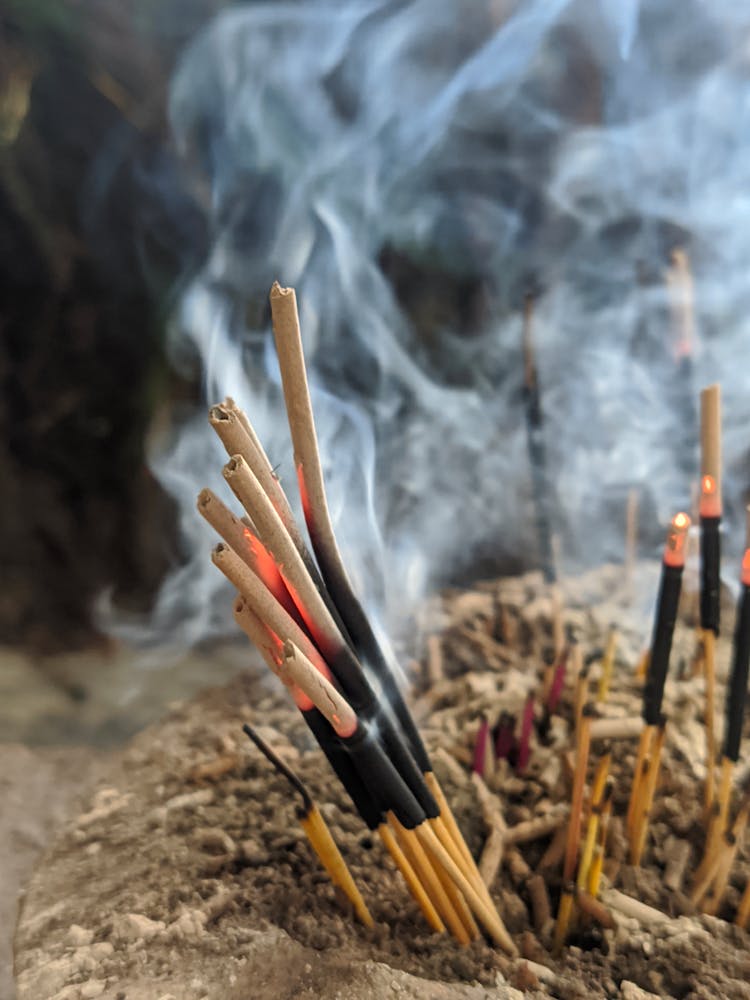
(234, 465)
(220, 552)
(278, 291)
(219, 412)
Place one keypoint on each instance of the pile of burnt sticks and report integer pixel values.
(301, 612)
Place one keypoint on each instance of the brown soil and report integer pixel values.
(38, 790)
(173, 884)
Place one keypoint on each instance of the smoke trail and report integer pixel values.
(411, 167)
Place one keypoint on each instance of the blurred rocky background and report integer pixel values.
(91, 251)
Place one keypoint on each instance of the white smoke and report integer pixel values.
(483, 147)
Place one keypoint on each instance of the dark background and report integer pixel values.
(91, 257)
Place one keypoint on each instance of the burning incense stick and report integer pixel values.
(391, 793)
(315, 508)
(673, 563)
(239, 438)
(710, 521)
(681, 294)
(338, 758)
(537, 451)
(322, 626)
(317, 832)
(736, 697)
(243, 540)
(276, 539)
(313, 641)
(302, 426)
(329, 702)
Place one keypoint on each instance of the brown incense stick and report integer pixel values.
(304, 440)
(329, 702)
(681, 294)
(242, 538)
(263, 604)
(628, 727)
(307, 597)
(711, 444)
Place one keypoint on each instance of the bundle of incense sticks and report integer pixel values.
(300, 610)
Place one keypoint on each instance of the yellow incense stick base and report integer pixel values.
(412, 879)
(330, 857)
(422, 865)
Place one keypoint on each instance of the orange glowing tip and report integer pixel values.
(674, 550)
(710, 502)
(746, 568)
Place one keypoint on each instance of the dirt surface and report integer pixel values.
(187, 874)
(38, 790)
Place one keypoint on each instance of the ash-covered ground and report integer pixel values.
(187, 875)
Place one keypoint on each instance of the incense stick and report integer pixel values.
(317, 831)
(288, 341)
(710, 520)
(238, 437)
(537, 451)
(574, 830)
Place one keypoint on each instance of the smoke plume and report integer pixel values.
(413, 169)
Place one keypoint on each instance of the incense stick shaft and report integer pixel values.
(488, 918)
(412, 879)
(709, 648)
(414, 851)
(711, 435)
(325, 847)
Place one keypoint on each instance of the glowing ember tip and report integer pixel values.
(746, 568)
(674, 550)
(708, 485)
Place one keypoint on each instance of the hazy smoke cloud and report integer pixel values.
(412, 167)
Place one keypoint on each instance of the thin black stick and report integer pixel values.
(293, 779)
(536, 447)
